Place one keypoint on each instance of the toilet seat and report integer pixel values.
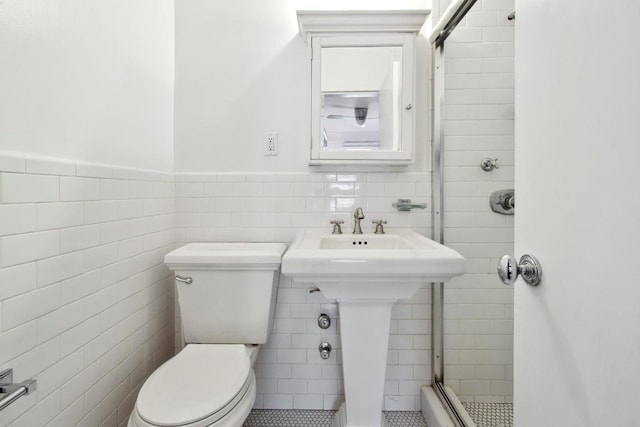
(197, 387)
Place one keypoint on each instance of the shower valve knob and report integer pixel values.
(324, 321)
(529, 268)
(488, 164)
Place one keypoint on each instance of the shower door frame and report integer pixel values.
(447, 23)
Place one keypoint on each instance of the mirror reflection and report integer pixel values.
(361, 94)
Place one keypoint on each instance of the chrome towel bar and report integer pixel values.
(405, 205)
(10, 391)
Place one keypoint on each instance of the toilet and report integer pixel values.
(226, 293)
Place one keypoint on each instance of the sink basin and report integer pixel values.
(366, 274)
(385, 241)
(400, 256)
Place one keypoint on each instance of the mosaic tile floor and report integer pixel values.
(291, 418)
(490, 414)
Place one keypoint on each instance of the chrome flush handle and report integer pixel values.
(187, 280)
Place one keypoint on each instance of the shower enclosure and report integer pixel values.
(472, 158)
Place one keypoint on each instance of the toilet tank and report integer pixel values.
(232, 295)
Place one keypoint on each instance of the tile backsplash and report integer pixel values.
(87, 306)
(86, 303)
(88, 309)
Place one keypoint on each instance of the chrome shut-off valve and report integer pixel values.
(325, 350)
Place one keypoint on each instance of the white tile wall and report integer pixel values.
(479, 113)
(274, 207)
(86, 305)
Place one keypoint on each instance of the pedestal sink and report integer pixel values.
(366, 274)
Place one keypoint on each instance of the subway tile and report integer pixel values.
(100, 256)
(12, 162)
(42, 412)
(79, 335)
(290, 204)
(59, 215)
(111, 189)
(141, 189)
(53, 324)
(339, 189)
(18, 340)
(100, 211)
(231, 177)
(79, 189)
(77, 238)
(130, 209)
(114, 231)
(34, 361)
(69, 415)
(278, 401)
(288, 177)
(308, 402)
(28, 247)
(16, 219)
(25, 188)
(59, 267)
(93, 170)
(278, 189)
(17, 280)
(163, 189)
(50, 166)
(292, 386)
(29, 306)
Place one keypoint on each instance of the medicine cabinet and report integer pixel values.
(361, 79)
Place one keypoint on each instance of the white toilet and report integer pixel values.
(226, 295)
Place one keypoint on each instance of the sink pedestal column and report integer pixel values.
(364, 335)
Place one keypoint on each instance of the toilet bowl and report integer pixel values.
(203, 385)
(227, 310)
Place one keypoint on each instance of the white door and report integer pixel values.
(577, 335)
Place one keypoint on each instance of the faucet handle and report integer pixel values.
(336, 226)
(379, 226)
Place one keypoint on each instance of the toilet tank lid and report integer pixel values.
(226, 253)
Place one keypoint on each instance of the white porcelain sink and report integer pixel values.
(400, 257)
(366, 274)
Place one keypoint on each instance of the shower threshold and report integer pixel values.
(472, 414)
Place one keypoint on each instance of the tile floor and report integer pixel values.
(490, 414)
(298, 418)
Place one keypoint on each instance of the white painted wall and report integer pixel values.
(88, 80)
(240, 72)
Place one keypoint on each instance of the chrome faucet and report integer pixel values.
(358, 215)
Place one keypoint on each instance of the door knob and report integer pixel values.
(529, 268)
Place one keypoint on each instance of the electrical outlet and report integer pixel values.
(270, 141)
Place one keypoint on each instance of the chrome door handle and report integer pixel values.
(187, 280)
(529, 268)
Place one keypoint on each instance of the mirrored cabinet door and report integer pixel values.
(361, 99)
